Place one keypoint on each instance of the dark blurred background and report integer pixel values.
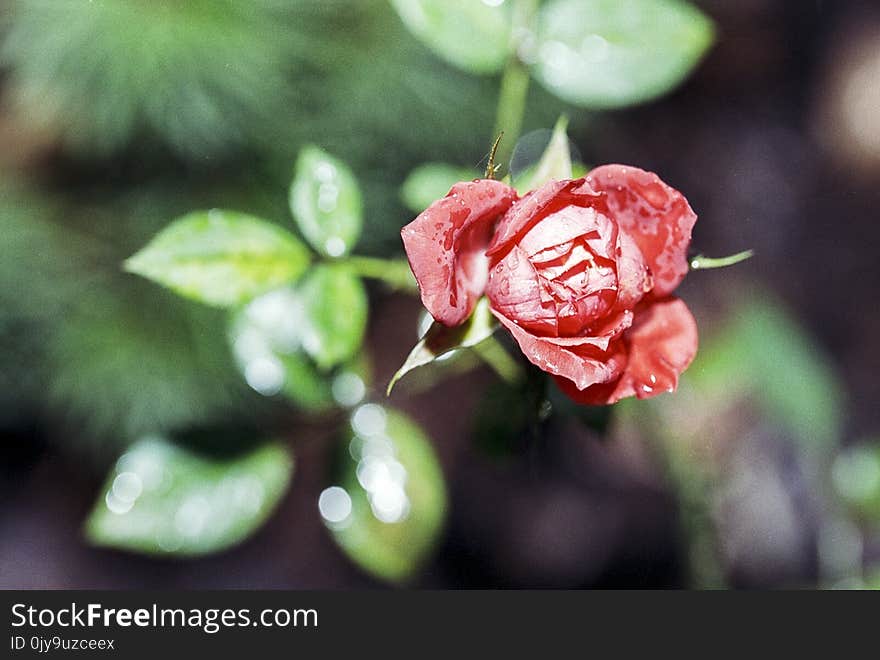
(762, 471)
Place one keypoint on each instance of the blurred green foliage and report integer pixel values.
(430, 182)
(112, 356)
(765, 355)
(336, 314)
(474, 36)
(201, 75)
(592, 53)
(615, 53)
(285, 339)
(856, 478)
(166, 500)
(759, 375)
(387, 502)
(326, 202)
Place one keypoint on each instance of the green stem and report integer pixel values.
(514, 85)
(692, 485)
(494, 354)
(693, 491)
(704, 263)
(394, 272)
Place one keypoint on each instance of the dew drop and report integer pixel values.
(334, 246)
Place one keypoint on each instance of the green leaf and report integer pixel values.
(767, 355)
(326, 202)
(221, 258)
(266, 338)
(469, 34)
(856, 477)
(431, 181)
(614, 53)
(440, 340)
(304, 385)
(336, 309)
(161, 499)
(387, 507)
(555, 162)
(269, 336)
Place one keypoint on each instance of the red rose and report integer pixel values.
(579, 271)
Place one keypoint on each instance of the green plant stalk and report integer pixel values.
(701, 262)
(692, 487)
(514, 85)
(499, 360)
(396, 273)
(693, 490)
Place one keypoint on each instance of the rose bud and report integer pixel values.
(579, 271)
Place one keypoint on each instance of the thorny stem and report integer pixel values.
(514, 84)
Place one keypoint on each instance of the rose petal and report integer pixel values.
(583, 365)
(633, 277)
(515, 291)
(567, 224)
(657, 216)
(601, 335)
(446, 245)
(659, 346)
(536, 205)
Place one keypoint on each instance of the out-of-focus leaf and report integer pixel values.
(555, 162)
(613, 53)
(336, 314)
(161, 499)
(440, 339)
(326, 202)
(304, 384)
(470, 34)
(765, 354)
(388, 505)
(266, 337)
(221, 258)
(856, 477)
(431, 181)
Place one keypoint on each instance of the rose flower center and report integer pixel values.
(560, 278)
